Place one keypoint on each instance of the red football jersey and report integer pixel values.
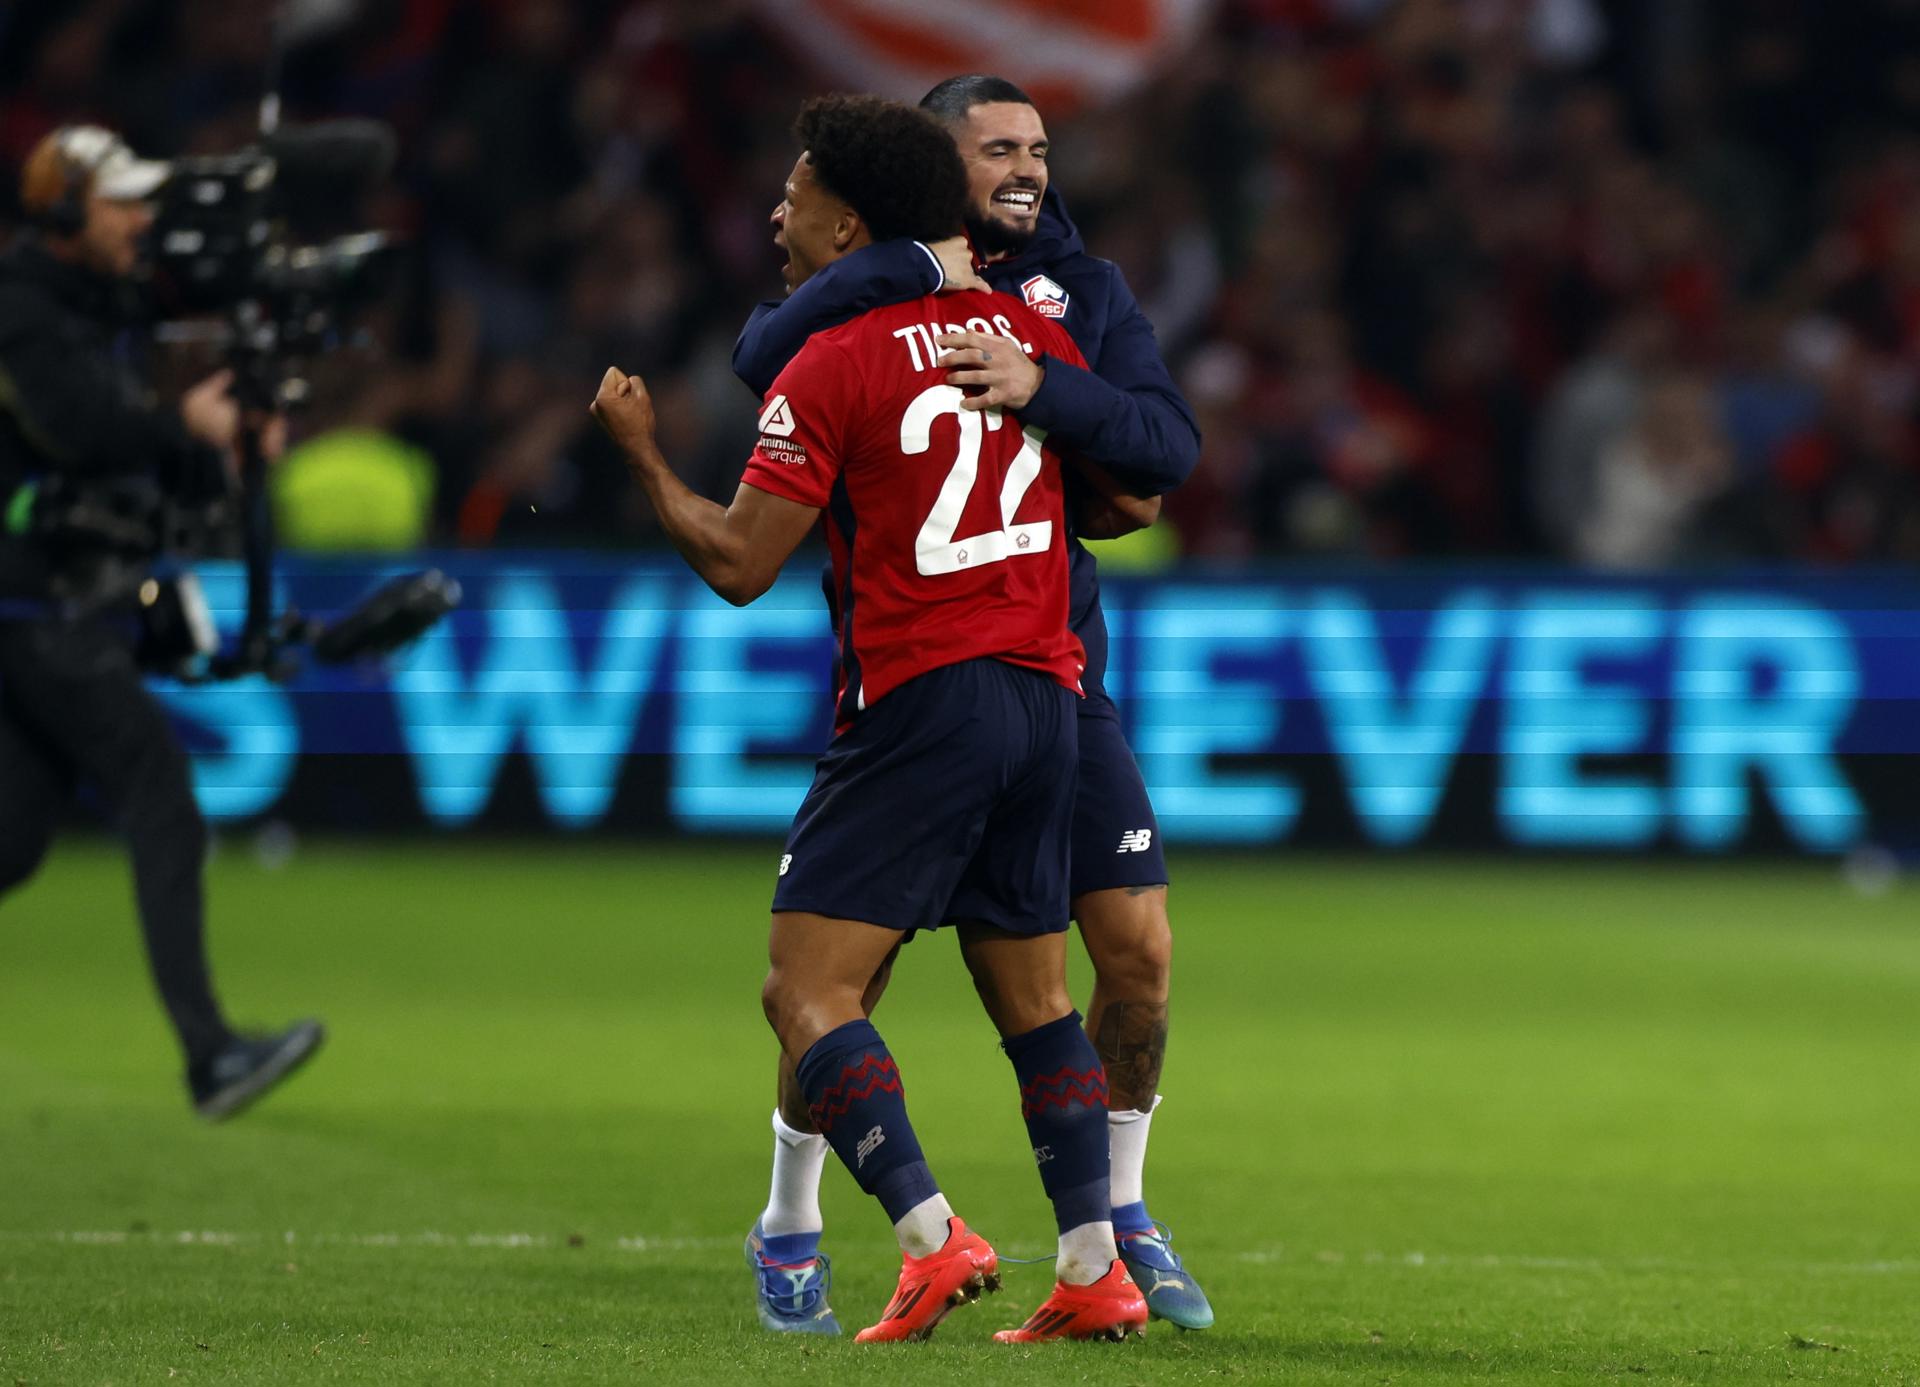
(947, 526)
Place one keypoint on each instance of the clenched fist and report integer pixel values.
(625, 411)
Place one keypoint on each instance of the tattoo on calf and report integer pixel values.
(1132, 1041)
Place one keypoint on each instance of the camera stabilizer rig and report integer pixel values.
(228, 271)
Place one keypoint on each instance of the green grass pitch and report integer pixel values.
(1426, 1122)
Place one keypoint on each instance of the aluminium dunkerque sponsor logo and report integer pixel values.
(777, 427)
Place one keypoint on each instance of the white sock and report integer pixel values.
(1127, 1143)
(793, 1206)
(1086, 1253)
(923, 1228)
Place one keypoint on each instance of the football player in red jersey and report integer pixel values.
(946, 794)
(1128, 415)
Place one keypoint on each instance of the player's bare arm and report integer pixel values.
(736, 549)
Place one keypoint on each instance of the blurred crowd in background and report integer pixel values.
(1627, 284)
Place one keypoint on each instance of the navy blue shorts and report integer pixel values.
(949, 799)
(1116, 839)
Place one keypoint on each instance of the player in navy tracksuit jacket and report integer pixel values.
(1125, 414)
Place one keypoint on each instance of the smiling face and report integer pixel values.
(811, 225)
(1004, 146)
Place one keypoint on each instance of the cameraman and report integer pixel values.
(75, 411)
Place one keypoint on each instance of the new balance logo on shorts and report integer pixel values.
(1135, 840)
(869, 1144)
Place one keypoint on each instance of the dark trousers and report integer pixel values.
(74, 711)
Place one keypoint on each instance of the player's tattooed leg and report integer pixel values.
(1131, 1038)
(1130, 942)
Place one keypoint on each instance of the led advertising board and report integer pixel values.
(1458, 708)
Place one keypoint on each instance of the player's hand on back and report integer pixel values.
(993, 370)
(956, 266)
(625, 410)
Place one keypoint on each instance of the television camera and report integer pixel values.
(229, 270)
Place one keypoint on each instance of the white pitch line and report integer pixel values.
(644, 1244)
(1495, 1260)
(292, 1238)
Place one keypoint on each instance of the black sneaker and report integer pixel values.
(249, 1066)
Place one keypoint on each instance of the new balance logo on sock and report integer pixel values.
(1135, 840)
(869, 1144)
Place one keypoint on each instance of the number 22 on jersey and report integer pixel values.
(936, 550)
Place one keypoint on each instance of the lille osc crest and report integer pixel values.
(1045, 297)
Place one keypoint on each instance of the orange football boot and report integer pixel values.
(962, 1271)
(1110, 1308)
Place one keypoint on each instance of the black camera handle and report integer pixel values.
(258, 650)
(259, 647)
(256, 636)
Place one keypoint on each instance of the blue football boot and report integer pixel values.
(1171, 1292)
(790, 1295)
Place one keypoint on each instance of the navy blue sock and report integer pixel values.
(1132, 1218)
(854, 1093)
(789, 1249)
(1063, 1097)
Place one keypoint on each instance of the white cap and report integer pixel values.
(118, 174)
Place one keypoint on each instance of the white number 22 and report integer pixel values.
(936, 551)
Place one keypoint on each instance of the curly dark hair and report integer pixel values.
(895, 166)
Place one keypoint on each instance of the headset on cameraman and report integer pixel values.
(65, 213)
